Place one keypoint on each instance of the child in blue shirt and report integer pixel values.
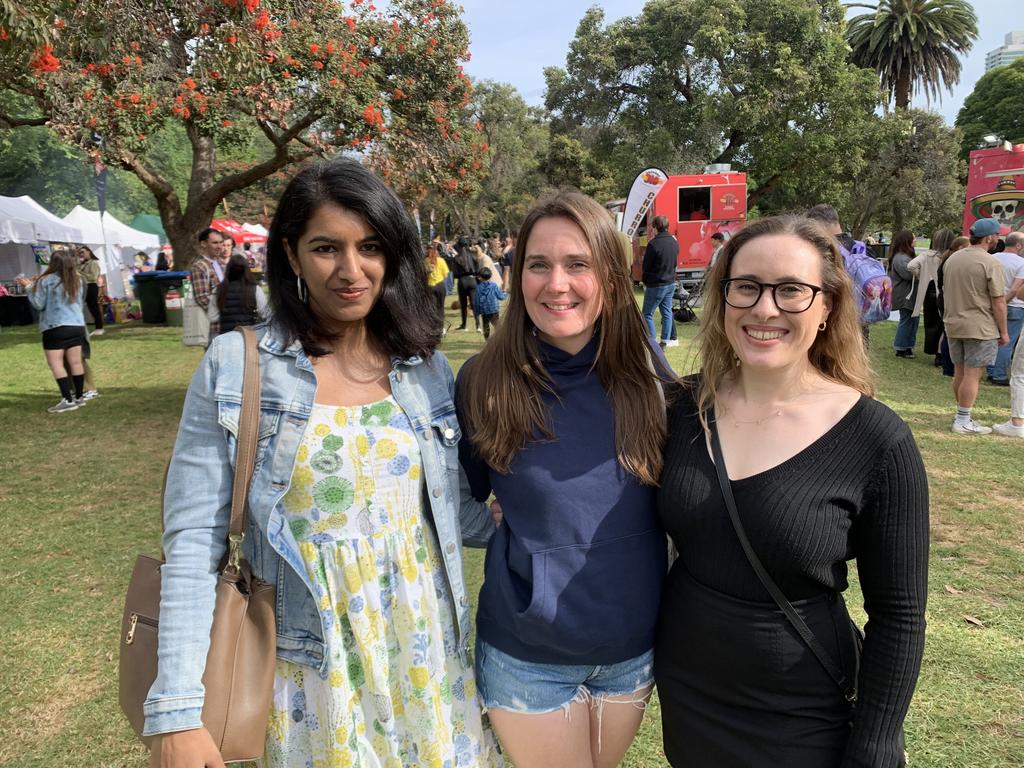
(485, 302)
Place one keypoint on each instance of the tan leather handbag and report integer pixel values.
(239, 676)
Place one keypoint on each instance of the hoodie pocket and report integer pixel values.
(582, 593)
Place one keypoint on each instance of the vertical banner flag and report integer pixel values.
(645, 188)
(99, 171)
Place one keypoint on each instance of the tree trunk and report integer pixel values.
(903, 87)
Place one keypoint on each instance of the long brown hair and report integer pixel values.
(838, 351)
(502, 394)
(902, 242)
(64, 264)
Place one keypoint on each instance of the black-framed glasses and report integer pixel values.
(790, 297)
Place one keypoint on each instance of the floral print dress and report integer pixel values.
(397, 693)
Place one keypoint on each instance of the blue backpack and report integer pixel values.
(873, 285)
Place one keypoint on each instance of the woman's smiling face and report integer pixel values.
(762, 336)
(560, 284)
(342, 262)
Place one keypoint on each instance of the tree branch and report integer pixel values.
(242, 179)
(7, 121)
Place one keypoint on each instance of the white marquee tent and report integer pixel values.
(24, 222)
(114, 243)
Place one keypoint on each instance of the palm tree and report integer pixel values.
(913, 44)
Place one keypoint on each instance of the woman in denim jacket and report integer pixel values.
(355, 502)
(57, 295)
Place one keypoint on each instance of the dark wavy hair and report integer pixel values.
(403, 321)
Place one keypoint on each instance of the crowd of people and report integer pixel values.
(642, 529)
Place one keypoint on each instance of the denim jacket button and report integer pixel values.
(437, 492)
(449, 433)
(450, 549)
(428, 435)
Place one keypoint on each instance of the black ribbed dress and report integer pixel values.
(737, 686)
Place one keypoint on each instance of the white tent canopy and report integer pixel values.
(113, 242)
(23, 220)
(256, 229)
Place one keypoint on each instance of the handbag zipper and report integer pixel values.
(133, 621)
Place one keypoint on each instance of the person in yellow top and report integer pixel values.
(437, 271)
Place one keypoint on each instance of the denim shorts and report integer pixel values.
(527, 687)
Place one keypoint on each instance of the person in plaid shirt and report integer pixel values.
(208, 270)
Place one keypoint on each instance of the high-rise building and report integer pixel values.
(1013, 48)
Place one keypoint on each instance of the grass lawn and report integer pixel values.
(79, 498)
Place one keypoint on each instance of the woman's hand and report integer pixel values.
(185, 749)
(496, 512)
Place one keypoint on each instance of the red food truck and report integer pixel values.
(995, 186)
(696, 206)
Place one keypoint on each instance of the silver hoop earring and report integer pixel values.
(823, 326)
(300, 289)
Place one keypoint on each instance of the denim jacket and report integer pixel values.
(55, 309)
(197, 505)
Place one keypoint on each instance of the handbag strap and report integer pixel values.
(848, 688)
(245, 454)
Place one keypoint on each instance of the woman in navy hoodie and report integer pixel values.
(565, 418)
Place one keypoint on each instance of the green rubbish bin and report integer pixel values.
(147, 289)
(173, 298)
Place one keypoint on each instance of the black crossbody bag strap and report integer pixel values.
(834, 671)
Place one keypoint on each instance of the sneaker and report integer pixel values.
(971, 428)
(672, 343)
(97, 332)
(90, 394)
(1008, 429)
(905, 353)
(999, 382)
(63, 405)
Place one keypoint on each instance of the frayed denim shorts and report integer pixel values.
(526, 687)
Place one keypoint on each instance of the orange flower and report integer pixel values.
(251, 5)
(318, 65)
(44, 60)
(226, 123)
(314, 48)
(262, 21)
(189, 83)
(134, 98)
(231, 40)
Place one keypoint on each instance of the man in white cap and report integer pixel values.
(974, 291)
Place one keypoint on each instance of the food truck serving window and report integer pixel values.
(694, 203)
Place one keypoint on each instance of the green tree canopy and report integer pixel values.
(762, 84)
(306, 78)
(913, 44)
(913, 179)
(995, 106)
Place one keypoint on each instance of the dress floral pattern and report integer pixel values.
(397, 693)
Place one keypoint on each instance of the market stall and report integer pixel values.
(114, 243)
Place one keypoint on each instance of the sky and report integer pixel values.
(512, 42)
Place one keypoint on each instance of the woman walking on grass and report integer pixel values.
(354, 504)
(57, 295)
(565, 418)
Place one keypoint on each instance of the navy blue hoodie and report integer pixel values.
(574, 573)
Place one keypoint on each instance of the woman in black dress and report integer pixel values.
(821, 474)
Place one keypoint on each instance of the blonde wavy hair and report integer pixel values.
(837, 353)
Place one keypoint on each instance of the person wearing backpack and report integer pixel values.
(872, 285)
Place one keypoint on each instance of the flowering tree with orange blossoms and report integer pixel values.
(314, 77)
